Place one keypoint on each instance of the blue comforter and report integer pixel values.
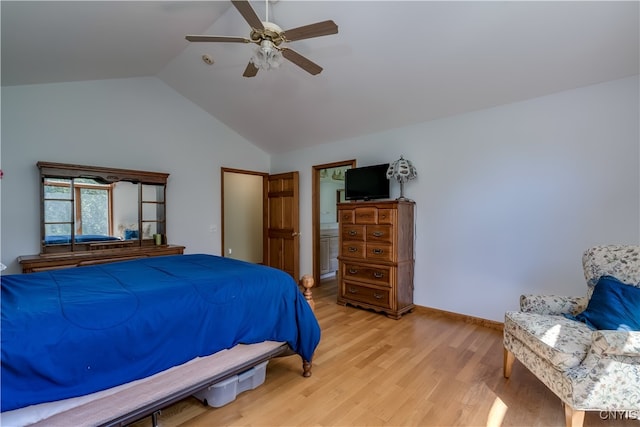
(75, 331)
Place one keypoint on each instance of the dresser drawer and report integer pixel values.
(366, 294)
(353, 233)
(347, 216)
(379, 252)
(353, 250)
(367, 215)
(379, 275)
(385, 216)
(379, 233)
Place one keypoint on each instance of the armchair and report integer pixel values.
(588, 369)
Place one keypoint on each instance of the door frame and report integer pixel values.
(265, 177)
(315, 211)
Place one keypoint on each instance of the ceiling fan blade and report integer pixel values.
(301, 61)
(247, 12)
(318, 29)
(223, 39)
(250, 71)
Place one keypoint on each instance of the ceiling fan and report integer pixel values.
(269, 38)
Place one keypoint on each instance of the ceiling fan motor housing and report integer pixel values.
(271, 32)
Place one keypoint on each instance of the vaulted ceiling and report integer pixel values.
(392, 63)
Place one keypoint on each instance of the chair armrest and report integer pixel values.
(620, 343)
(552, 304)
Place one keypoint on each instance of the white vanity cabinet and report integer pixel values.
(328, 251)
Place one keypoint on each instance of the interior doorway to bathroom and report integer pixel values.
(328, 191)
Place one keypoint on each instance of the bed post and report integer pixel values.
(307, 283)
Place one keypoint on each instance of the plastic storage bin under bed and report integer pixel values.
(226, 391)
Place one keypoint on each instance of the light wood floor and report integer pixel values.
(369, 370)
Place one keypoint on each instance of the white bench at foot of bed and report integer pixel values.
(129, 402)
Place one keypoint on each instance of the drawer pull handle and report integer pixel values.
(353, 271)
(352, 249)
(378, 251)
(353, 291)
(353, 233)
(377, 295)
(378, 275)
(378, 234)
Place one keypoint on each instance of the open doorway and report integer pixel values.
(328, 190)
(260, 218)
(243, 208)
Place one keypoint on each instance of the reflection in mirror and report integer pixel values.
(153, 209)
(86, 200)
(89, 207)
(125, 210)
(57, 210)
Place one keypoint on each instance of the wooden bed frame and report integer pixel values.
(131, 402)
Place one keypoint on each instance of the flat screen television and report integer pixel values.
(367, 183)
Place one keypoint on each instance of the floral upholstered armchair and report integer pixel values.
(586, 350)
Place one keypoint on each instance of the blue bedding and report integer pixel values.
(80, 238)
(71, 332)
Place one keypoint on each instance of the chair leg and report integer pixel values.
(573, 417)
(508, 363)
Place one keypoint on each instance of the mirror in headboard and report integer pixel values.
(86, 208)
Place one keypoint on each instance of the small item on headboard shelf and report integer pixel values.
(130, 231)
(130, 234)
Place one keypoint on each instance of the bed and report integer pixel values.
(72, 333)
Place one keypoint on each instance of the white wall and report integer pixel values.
(137, 123)
(507, 198)
(243, 218)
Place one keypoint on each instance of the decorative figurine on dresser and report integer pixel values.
(376, 255)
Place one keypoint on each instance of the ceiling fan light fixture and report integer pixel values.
(266, 56)
(269, 37)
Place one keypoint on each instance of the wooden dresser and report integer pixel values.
(376, 256)
(43, 262)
